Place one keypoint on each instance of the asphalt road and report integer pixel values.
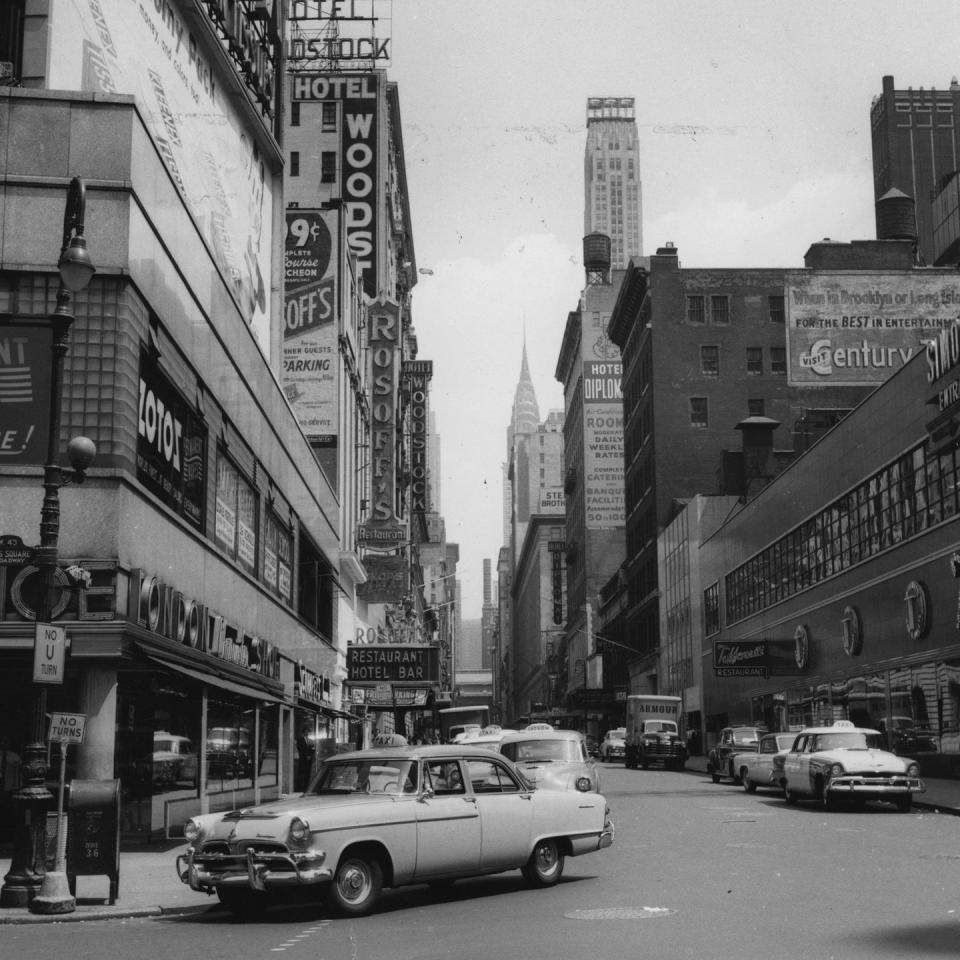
(697, 870)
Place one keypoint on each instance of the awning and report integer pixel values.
(216, 680)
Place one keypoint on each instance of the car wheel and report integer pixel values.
(748, 785)
(241, 901)
(715, 777)
(904, 804)
(356, 885)
(545, 865)
(790, 796)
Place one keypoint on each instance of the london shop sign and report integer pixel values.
(168, 613)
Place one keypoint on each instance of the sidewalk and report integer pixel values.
(149, 886)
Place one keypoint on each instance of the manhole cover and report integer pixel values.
(620, 913)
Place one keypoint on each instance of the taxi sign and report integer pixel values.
(67, 727)
(49, 653)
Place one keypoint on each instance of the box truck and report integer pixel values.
(653, 732)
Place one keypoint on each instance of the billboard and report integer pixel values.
(603, 443)
(383, 321)
(24, 390)
(417, 375)
(155, 52)
(856, 328)
(360, 107)
(310, 320)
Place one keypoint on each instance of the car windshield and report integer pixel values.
(661, 726)
(851, 740)
(376, 775)
(544, 751)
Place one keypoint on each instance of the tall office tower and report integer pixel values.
(916, 150)
(611, 168)
(524, 418)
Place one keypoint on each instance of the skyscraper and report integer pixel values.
(612, 177)
(916, 145)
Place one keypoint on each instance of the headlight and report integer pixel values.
(836, 770)
(299, 830)
(583, 784)
(192, 831)
(913, 770)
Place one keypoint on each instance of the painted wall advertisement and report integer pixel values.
(603, 443)
(855, 328)
(24, 391)
(149, 50)
(309, 327)
(359, 97)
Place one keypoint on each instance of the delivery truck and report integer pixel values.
(653, 732)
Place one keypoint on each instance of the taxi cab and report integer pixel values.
(847, 763)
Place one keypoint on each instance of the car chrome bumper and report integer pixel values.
(258, 871)
(876, 786)
(606, 838)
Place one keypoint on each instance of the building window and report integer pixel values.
(278, 558)
(235, 530)
(720, 309)
(755, 407)
(711, 609)
(328, 117)
(696, 309)
(710, 360)
(295, 113)
(328, 166)
(778, 360)
(777, 311)
(294, 163)
(698, 412)
(754, 361)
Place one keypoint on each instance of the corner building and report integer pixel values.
(206, 527)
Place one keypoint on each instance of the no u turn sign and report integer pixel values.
(49, 653)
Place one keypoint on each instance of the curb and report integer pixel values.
(105, 913)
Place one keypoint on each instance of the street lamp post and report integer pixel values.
(27, 881)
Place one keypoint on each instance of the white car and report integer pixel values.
(756, 768)
(558, 759)
(392, 816)
(614, 744)
(847, 763)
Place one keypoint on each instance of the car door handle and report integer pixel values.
(469, 799)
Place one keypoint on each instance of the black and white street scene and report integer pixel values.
(479, 479)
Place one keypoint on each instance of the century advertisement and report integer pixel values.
(154, 51)
(309, 327)
(856, 328)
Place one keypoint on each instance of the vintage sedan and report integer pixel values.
(388, 817)
(733, 740)
(613, 745)
(553, 758)
(756, 768)
(846, 763)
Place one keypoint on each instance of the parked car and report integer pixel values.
(732, 740)
(848, 763)
(613, 744)
(388, 817)
(553, 758)
(756, 767)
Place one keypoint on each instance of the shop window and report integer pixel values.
(278, 558)
(176, 736)
(236, 515)
(231, 745)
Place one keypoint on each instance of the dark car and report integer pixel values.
(732, 740)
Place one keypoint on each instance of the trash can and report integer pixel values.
(93, 832)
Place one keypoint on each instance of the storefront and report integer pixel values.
(833, 594)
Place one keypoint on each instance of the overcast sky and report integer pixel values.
(754, 122)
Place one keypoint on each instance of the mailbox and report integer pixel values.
(93, 832)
